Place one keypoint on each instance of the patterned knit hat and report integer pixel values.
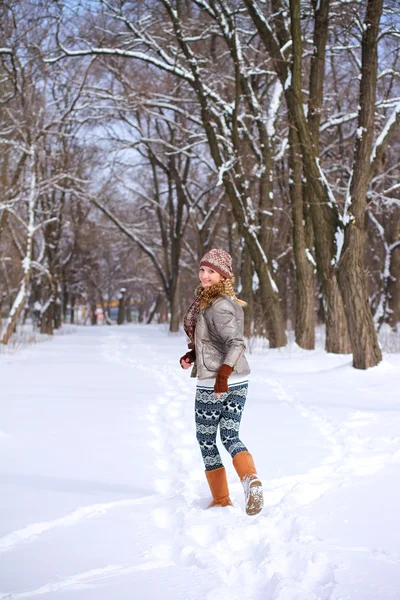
(218, 260)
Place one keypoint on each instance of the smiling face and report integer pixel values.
(209, 277)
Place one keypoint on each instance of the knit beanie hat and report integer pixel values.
(218, 260)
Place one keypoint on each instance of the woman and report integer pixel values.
(214, 326)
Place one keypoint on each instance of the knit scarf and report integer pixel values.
(203, 298)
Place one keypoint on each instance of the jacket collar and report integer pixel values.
(209, 294)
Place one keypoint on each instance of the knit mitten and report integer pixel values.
(189, 357)
(221, 382)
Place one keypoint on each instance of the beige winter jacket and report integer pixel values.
(219, 339)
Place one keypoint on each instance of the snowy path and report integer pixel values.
(103, 494)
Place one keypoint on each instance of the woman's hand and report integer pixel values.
(221, 381)
(187, 359)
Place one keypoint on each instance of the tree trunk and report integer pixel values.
(156, 307)
(247, 292)
(16, 310)
(72, 305)
(305, 281)
(121, 307)
(27, 261)
(174, 306)
(353, 285)
(270, 302)
(46, 325)
(57, 315)
(351, 270)
(93, 313)
(106, 312)
(65, 299)
(128, 310)
(394, 289)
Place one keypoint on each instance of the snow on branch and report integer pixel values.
(274, 108)
(392, 188)
(165, 66)
(382, 308)
(332, 199)
(389, 103)
(391, 72)
(385, 135)
(281, 153)
(224, 168)
(9, 204)
(338, 120)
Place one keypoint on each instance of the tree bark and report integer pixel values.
(156, 307)
(121, 307)
(394, 289)
(174, 307)
(46, 324)
(351, 270)
(106, 311)
(128, 310)
(72, 304)
(27, 260)
(305, 280)
(93, 312)
(247, 292)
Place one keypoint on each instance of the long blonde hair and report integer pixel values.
(229, 291)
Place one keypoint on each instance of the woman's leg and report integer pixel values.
(231, 415)
(243, 462)
(208, 410)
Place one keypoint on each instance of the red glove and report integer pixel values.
(189, 357)
(221, 382)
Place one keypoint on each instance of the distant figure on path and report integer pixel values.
(214, 326)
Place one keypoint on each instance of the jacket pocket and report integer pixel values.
(212, 357)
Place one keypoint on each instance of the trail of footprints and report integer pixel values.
(274, 556)
(266, 557)
(353, 454)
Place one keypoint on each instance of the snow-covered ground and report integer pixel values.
(103, 494)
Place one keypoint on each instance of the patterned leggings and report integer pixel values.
(225, 411)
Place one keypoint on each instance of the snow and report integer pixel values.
(391, 122)
(339, 240)
(103, 493)
(224, 168)
(19, 298)
(360, 132)
(332, 200)
(310, 258)
(288, 81)
(274, 108)
(288, 44)
(273, 283)
(281, 153)
(338, 120)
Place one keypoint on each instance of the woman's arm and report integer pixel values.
(229, 329)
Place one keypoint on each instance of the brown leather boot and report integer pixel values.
(219, 487)
(253, 492)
